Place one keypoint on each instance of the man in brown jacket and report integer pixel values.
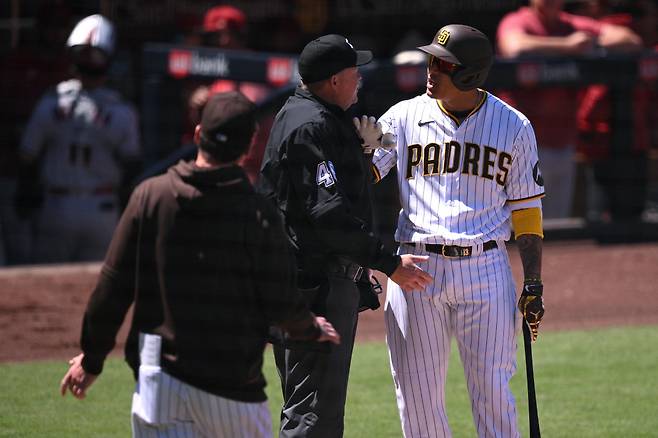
(207, 265)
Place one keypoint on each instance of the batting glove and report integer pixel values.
(370, 132)
(531, 305)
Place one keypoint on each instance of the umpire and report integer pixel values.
(315, 172)
(206, 262)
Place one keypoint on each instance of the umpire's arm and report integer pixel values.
(329, 211)
(276, 279)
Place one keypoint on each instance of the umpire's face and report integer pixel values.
(346, 84)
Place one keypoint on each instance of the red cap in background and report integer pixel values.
(223, 17)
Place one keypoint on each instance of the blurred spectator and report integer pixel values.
(226, 27)
(543, 29)
(26, 71)
(617, 173)
(79, 145)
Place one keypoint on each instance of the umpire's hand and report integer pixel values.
(327, 331)
(409, 276)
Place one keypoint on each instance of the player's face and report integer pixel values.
(439, 84)
(347, 86)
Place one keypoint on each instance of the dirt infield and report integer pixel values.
(586, 285)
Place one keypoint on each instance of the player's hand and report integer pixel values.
(531, 305)
(328, 332)
(370, 132)
(76, 379)
(409, 276)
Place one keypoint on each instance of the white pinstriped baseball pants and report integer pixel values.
(165, 407)
(474, 300)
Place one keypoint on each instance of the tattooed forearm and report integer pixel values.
(530, 247)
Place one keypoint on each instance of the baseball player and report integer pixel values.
(84, 138)
(208, 266)
(467, 167)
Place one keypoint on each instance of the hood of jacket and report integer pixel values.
(195, 186)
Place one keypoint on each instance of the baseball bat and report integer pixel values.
(533, 416)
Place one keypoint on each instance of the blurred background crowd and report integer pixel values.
(47, 216)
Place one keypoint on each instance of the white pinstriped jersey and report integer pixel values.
(81, 132)
(458, 180)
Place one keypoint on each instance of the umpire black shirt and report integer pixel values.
(315, 172)
(207, 264)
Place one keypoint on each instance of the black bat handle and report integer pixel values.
(530, 374)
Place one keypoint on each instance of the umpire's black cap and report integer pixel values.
(228, 123)
(327, 55)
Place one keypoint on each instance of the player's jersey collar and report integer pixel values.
(483, 99)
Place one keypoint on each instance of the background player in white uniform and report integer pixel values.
(467, 163)
(84, 137)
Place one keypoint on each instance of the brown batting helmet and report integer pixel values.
(466, 47)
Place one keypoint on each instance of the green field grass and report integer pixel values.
(589, 384)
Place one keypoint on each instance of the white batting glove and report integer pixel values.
(370, 132)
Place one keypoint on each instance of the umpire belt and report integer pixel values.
(344, 268)
(454, 251)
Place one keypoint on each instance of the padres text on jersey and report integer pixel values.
(456, 178)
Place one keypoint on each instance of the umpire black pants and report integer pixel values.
(314, 376)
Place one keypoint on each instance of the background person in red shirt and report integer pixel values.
(543, 29)
(618, 179)
(226, 27)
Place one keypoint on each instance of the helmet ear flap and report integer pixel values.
(466, 79)
(470, 77)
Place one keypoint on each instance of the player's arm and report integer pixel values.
(383, 161)
(525, 188)
(37, 129)
(29, 191)
(528, 231)
(529, 242)
(114, 290)
(107, 305)
(530, 250)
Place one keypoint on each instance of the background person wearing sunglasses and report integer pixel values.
(467, 170)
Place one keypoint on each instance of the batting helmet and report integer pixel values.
(466, 47)
(91, 44)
